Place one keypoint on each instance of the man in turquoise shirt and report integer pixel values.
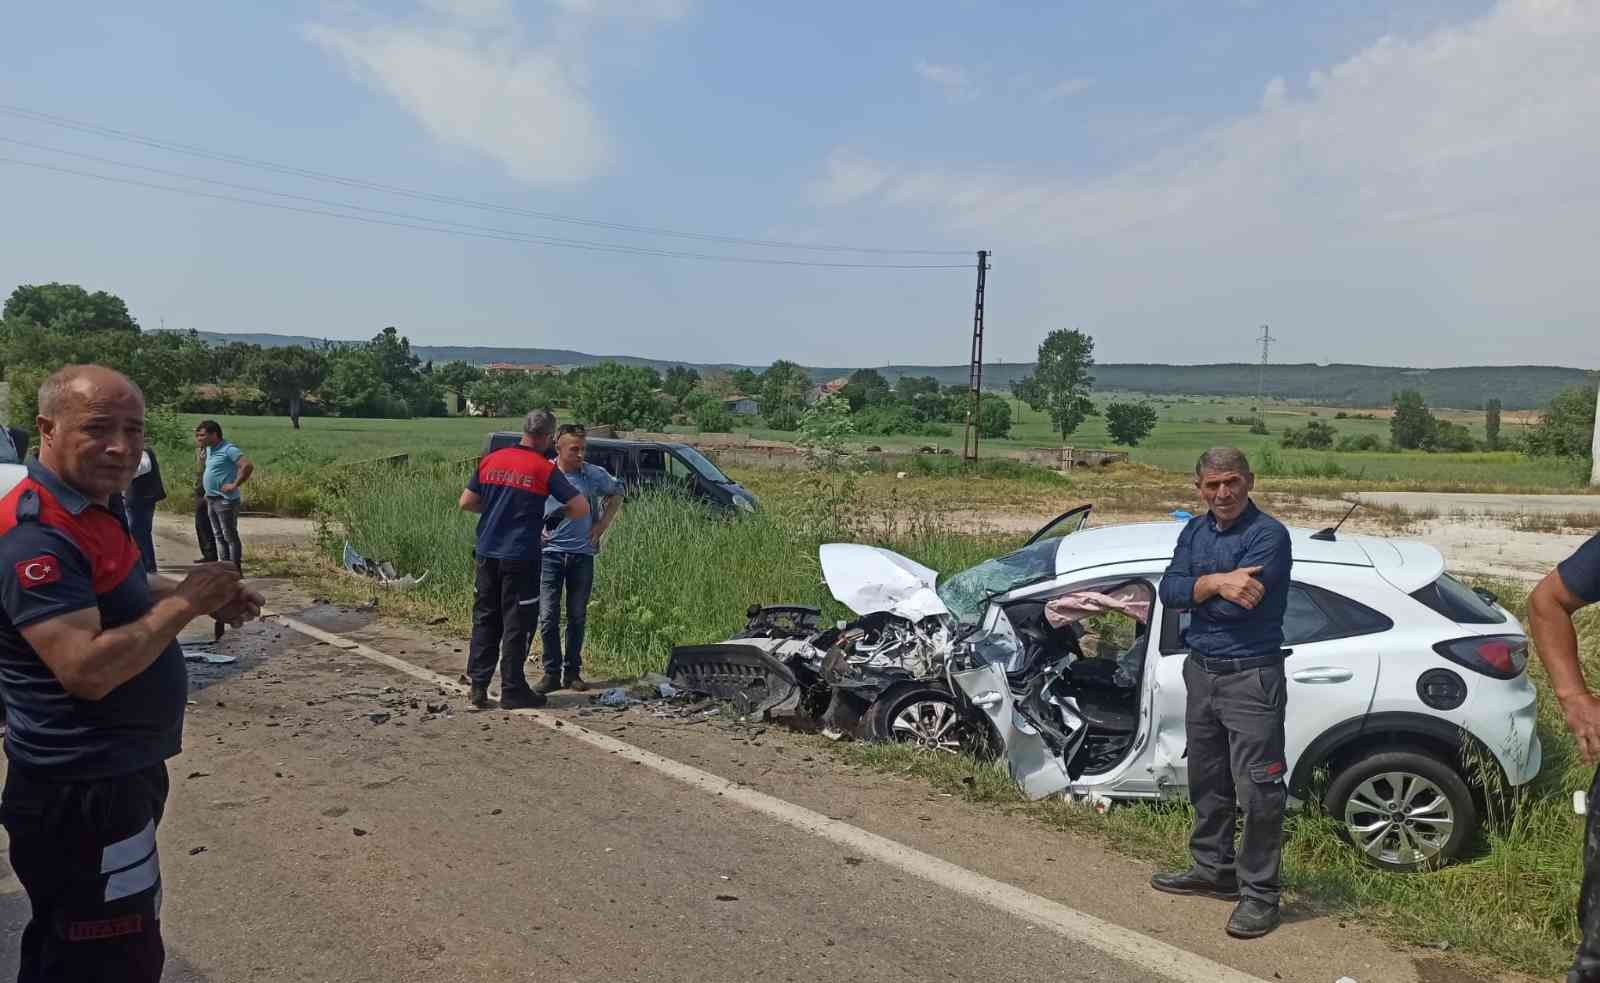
(226, 468)
(568, 559)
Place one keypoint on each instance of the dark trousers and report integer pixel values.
(574, 573)
(225, 528)
(505, 607)
(1235, 752)
(1586, 965)
(86, 854)
(202, 530)
(142, 521)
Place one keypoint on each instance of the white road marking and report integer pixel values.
(1122, 944)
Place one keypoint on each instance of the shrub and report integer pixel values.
(1361, 442)
(1315, 435)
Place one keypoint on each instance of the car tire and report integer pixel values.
(926, 717)
(1368, 799)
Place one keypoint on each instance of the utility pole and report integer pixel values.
(969, 444)
(1266, 340)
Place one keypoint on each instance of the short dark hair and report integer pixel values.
(571, 430)
(1219, 459)
(539, 423)
(210, 426)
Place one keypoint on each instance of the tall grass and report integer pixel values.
(674, 573)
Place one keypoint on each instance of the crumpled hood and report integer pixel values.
(867, 580)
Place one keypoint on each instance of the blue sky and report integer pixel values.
(1381, 182)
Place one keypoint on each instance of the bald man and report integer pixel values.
(94, 686)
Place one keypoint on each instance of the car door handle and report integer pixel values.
(1324, 674)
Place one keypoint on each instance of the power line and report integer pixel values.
(80, 126)
(458, 229)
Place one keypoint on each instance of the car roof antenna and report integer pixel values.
(1330, 534)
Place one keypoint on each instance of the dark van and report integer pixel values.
(649, 463)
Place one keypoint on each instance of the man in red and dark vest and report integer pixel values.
(94, 686)
(508, 491)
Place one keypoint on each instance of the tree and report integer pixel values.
(288, 374)
(679, 383)
(1061, 381)
(1129, 423)
(1491, 425)
(69, 309)
(824, 428)
(745, 382)
(994, 417)
(783, 394)
(457, 377)
(619, 395)
(1412, 425)
(504, 394)
(1316, 435)
(1566, 428)
(867, 387)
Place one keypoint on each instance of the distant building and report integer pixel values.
(522, 368)
(740, 405)
(830, 388)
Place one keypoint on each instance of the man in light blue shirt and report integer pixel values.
(568, 559)
(226, 468)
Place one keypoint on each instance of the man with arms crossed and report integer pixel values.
(94, 687)
(508, 491)
(1231, 572)
(1572, 586)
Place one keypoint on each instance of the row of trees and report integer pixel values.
(45, 326)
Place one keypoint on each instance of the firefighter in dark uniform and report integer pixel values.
(1230, 570)
(508, 493)
(1572, 586)
(94, 686)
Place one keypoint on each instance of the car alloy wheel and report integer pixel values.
(1404, 810)
(931, 725)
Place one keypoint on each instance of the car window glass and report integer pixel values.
(652, 460)
(1303, 620)
(1456, 601)
(678, 469)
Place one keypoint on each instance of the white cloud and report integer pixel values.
(1445, 183)
(848, 177)
(628, 9)
(1066, 89)
(463, 69)
(957, 82)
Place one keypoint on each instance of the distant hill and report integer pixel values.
(1518, 387)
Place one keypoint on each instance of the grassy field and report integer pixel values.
(296, 467)
(675, 574)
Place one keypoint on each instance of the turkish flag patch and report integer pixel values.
(38, 571)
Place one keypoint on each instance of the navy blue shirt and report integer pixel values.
(1581, 572)
(514, 483)
(1220, 629)
(60, 553)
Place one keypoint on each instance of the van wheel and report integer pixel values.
(1404, 810)
(925, 717)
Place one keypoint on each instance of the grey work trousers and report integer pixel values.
(225, 528)
(1234, 723)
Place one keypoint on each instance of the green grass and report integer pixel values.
(673, 573)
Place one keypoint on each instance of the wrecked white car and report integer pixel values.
(1407, 690)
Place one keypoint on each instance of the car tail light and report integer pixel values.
(1500, 656)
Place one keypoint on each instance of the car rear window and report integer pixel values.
(1458, 602)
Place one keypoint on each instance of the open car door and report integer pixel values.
(1062, 525)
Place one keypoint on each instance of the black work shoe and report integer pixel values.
(575, 683)
(479, 697)
(548, 683)
(1192, 881)
(1252, 918)
(520, 698)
